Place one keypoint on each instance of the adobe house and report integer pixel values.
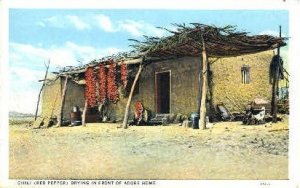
(173, 75)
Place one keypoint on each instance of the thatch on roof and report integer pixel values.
(187, 41)
(219, 42)
(127, 57)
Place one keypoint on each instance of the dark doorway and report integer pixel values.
(162, 81)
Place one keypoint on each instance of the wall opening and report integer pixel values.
(162, 82)
(245, 74)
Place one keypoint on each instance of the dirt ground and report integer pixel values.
(228, 150)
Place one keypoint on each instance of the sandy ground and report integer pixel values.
(229, 150)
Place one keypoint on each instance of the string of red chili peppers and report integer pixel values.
(139, 109)
(90, 89)
(112, 89)
(107, 87)
(102, 89)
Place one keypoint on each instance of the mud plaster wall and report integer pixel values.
(184, 84)
(51, 98)
(117, 110)
(184, 80)
(227, 86)
(74, 97)
(227, 80)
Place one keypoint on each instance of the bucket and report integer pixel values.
(75, 118)
(195, 120)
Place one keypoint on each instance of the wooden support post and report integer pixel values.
(275, 85)
(62, 103)
(125, 121)
(84, 113)
(43, 85)
(204, 87)
(274, 95)
(199, 89)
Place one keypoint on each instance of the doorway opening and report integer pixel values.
(162, 81)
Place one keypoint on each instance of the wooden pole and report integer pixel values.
(199, 90)
(204, 87)
(125, 121)
(275, 85)
(43, 85)
(62, 103)
(84, 113)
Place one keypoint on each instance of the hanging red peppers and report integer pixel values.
(138, 110)
(112, 89)
(90, 88)
(124, 74)
(102, 84)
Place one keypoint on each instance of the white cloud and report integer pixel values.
(24, 89)
(104, 23)
(27, 75)
(65, 55)
(27, 67)
(139, 28)
(111, 51)
(133, 27)
(25, 54)
(64, 22)
(23, 101)
(54, 21)
(42, 24)
(78, 23)
(136, 28)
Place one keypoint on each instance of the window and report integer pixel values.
(245, 74)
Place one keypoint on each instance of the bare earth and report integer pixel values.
(229, 150)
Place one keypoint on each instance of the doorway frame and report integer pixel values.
(170, 90)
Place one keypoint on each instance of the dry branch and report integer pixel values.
(43, 85)
(220, 42)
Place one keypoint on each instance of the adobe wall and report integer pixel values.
(74, 97)
(51, 98)
(184, 80)
(227, 86)
(227, 80)
(184, 84)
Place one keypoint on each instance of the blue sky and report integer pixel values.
(74, 37)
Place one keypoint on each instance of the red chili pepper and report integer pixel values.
(124, 74)
(90, 87)
(139, 109)
(112, 89)
(102, 78)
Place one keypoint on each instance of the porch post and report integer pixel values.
(62, 103)
(84, 113)
(43, 85)
(125, 121)
(204, 87)
(199, 89)
(275, 85)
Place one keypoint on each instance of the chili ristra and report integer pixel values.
(90, 87)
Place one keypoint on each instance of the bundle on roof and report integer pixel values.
(219, 42)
